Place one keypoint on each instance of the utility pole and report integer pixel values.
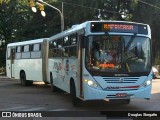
(40, 3)
(61, 13)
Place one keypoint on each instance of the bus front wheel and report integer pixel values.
(75, 100)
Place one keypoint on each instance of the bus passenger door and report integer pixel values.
(12, 62)
(8, 62)
(80, 63)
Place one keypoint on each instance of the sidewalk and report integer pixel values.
(3, 76)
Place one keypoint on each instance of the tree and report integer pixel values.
(18, 22)
(13, 16)
(150, 15)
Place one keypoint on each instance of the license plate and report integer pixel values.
(121, 95)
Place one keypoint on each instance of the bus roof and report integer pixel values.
(26, 42)
(83, 25)
(70, 30)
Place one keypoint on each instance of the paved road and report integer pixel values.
(14, 97)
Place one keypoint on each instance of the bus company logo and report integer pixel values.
(112, 87)
(121, 75)
(121, 79)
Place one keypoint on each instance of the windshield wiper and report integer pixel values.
(130, 41)
(107, 34)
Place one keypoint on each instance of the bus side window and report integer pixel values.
(73, 39)
(36, 47)
(18, 52)
(36, 51)
(26, 48)
(66, 51)
(50, 49)
(66, 41)
(22, 49)
(31, 48)
(65, 45)
(73, 51)
(39, 47)
(25, 52)
(73, 46)
(53, 49)
(60, 48)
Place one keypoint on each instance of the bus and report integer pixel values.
(27, 61)
(95, 60)
(122, 73)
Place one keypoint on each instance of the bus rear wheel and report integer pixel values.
(23, 80)
(53, 88)
(75, 100)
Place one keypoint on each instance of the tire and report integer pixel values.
(75, 100)
(126, 101)
(23, 80)
(53, 88)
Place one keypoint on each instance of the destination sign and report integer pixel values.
(118, 27)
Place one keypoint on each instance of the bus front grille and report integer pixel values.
(121, 80)
(120, 83)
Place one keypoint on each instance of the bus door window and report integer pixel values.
(12, 61)
(9, 53)
(12, 55)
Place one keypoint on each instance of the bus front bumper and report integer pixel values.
(96, 94)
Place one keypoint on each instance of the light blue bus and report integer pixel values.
(95, 60)
(124, 71)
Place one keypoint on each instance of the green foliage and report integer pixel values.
(18, 22)
(4, 1)
(150, 15)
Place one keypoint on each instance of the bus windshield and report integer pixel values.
(125, 54)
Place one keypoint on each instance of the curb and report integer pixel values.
(3, 77)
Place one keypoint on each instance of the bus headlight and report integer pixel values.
(147, 83)
(91, 83)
